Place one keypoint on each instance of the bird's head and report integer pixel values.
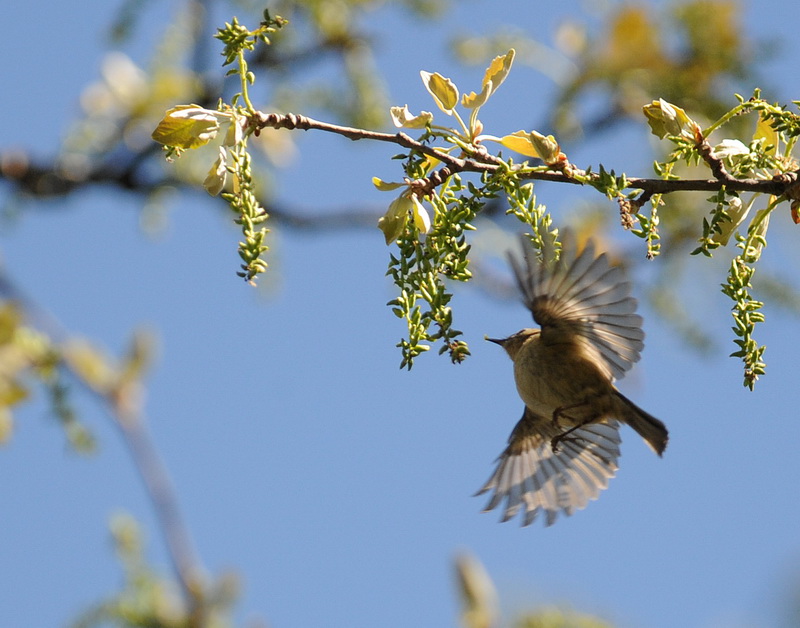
(513, 343)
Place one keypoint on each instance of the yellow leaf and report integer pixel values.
(422, 219)
(765, 131)
(187, 126)
(235, 132)
(477, 593)
(520, 142)
(534, 144)
(385, 186)
(473, 100)
(729, 148)
(215, 179)
(498, 70)
(442, 89)
(402, 118)
(139, 355)
(429, 163)
(394, 221)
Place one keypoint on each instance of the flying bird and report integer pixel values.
(564, 449)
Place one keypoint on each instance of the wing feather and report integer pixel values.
(587, 293)
(533, 479)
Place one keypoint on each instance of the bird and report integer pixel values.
(564, 449)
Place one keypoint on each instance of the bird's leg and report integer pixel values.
(557, 439)
(562, 411)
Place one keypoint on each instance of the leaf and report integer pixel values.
(235, 131)
(138, 356)
(498, 70)
(520, 142)
(730, 148)
(385, 186)
(187, 126)
(402, 118)
(422, 219)
(477, 593)
(442, 89)
(473, 100)
(394, 220)
(634, 38)
(736, 213)
(667, 119)
(547, 147)
(215, 179)
(534, 144)
(764, 130)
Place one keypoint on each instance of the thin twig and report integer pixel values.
(159, 488)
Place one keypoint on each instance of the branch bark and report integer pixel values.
(51, 180)
(483, 162)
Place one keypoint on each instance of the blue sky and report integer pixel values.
(337, 486)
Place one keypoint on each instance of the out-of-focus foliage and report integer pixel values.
(479, 604)
(690, 52)
(29, 359)
(150, 599)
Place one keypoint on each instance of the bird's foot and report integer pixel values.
(565, 436)
(555, 442)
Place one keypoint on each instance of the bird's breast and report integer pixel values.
(552, 376)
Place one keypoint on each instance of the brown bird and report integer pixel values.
(565, 447)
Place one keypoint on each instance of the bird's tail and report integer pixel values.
(653, 431)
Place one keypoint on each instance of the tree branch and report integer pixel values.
(159, 488)
(483, 162)
(49, 180)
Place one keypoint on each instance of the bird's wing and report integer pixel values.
(586, 296)
(534, 479)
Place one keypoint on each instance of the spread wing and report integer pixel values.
(587, 295)
(531, 478)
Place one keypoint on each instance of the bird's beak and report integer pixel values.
(497, 341)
